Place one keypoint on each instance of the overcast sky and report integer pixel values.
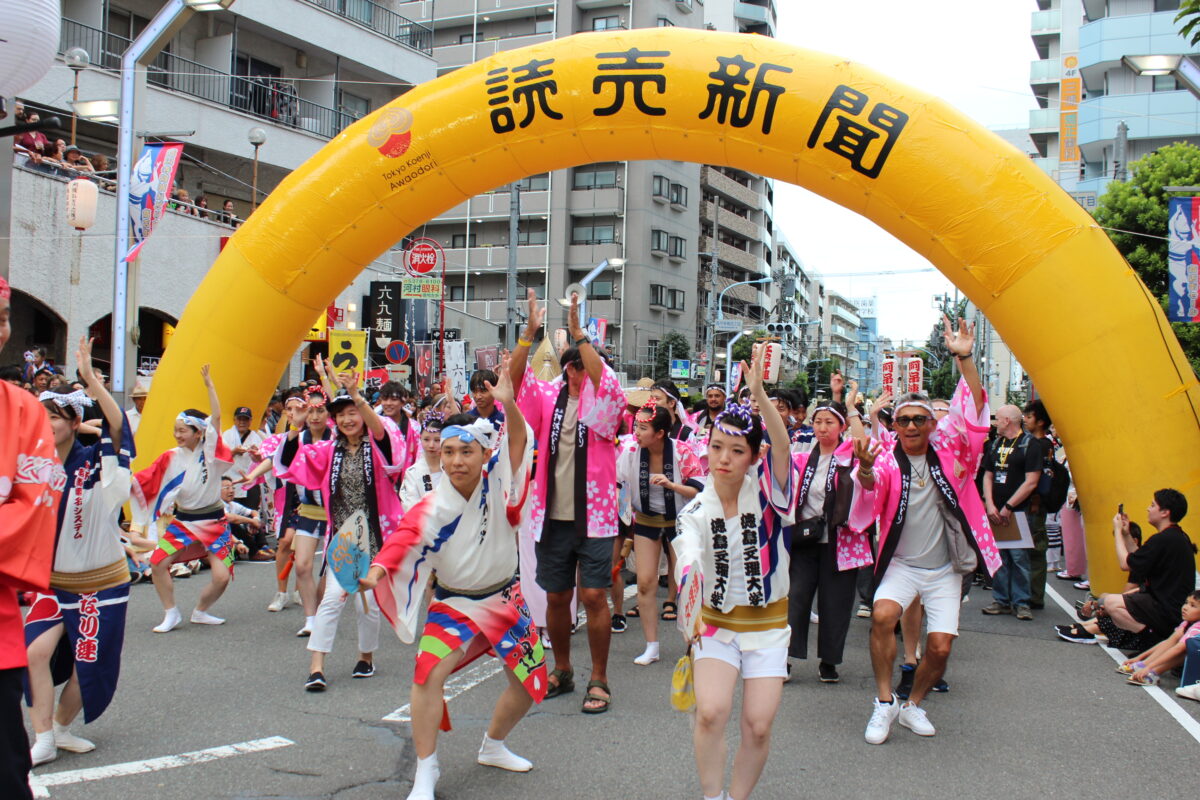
(973, 53)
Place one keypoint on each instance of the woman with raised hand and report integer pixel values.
(74, 633)
(188, 478)
(731, 539)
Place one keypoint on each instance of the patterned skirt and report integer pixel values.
(191, 537)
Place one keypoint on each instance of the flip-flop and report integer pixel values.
(595, 698)
(564, 683)
(670, 612)
(633, 612)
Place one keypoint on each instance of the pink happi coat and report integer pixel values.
(600, 409)
(958, 442)
(853, 547)
(313, 463)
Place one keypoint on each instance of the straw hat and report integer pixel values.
(638, 394)
(140, 390)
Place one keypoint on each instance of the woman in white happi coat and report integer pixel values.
(426, 472)
(732, 565)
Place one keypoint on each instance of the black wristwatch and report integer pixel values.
(582, 340)
(1010, 508)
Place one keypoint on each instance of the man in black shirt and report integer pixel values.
(1165, 570)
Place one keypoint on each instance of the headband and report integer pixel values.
(716, 386)
(918, 404)
(195, 422)
(5, 290)
(293, 399)
(434, 420)
(313, 391)
(650, 407)
(831, 410)
(734, 410)
(77, 400)
(481, 430)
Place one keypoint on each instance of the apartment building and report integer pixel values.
(840, 332)
(299, 70)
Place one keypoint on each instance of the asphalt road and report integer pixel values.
(1027, 716)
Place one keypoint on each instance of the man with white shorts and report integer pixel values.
(921, 491)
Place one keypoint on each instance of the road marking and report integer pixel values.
(1169, 704)
(41, 782)
(470, 679)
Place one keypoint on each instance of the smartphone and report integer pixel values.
(1121, 509)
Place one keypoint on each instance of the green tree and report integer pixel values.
(1135, 214)
(941, 379)
(743, 348)
(1189, 15)
(675, 346)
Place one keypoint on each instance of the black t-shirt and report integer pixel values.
(1165, 567)
(1010, 461)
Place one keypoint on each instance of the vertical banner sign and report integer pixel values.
(149, 190)
(319, 331)
(348, 352)
(1070, 92)
(889, 376)
(597, 329)
(560, 340)
(423, 367)
(386, 316)
(1183, 258)
(487, 357)
(916, 374)
(456, 368)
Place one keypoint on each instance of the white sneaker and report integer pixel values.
(279, 603)
(1191, 692)
(44, 750)
(170, 621)
(204, 618)
(493, 753)
(426, 779)
(882, 717)
(65, 740)
(296, 601)
(180, 571)
(913, 717)
(648, 657)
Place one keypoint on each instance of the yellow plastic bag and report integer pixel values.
(683, 691)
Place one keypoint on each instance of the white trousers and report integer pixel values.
(329, 613)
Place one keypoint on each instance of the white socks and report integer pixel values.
(425, 779)
(66, 740)
(44, 749)
(308, 626)
(170, 621)
(649, 656)
(721, 796)
(494, 753)
(204, 618)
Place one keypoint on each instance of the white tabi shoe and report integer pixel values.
(426, 778)
(649, 656)
(65, 740)
(204, 618)
(494, 753)
(44, 750)
(170, 621)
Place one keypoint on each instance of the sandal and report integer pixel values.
(633, 612)
(670, 612)
(604, 702)
(564, 683)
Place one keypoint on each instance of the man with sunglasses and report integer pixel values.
(919, 484)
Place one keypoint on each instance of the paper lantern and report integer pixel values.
(29, 42)
(81, 203)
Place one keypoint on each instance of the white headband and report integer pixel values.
(481, 430)
(195, 422)
(918, 404)
(77, 400)
(831, 410)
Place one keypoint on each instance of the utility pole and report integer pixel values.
(514, 215)
(712, 299)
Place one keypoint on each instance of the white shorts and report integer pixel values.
(940, 591)
(766, 662)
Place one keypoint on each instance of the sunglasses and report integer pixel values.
(918, 420)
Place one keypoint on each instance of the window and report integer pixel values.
(466, 38)
(534, 183)
(676, 298)
(677, 248)
(660, 187)
(606, 23)
(543, 25)
(456, 293)
(593, 233)
(531, 237)
(601, 177)
(600, 290)
(1165, 83)
(663, 22)
(659, 241)
(678, 195)
(460, 240)
(658, 295)
(1166, 5)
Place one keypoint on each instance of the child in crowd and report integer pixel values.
(1145, 668)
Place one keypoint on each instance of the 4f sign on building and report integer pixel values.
(424, 257)
(1070, 92)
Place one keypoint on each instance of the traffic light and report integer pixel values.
(783, 330)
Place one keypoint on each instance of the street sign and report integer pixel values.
(727, 325)
(421, 289)
(680, 368)
(423, 257)
(452, 334)
(396, 353)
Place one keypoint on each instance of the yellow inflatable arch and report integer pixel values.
(1090, 334)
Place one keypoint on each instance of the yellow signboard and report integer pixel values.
(348, 352)
(320, 329)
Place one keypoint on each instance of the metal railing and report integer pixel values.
(383, 21)
(274, 99)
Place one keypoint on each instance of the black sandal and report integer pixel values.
(670, 612)
(564, 683)
(595, 698)
(633, 612)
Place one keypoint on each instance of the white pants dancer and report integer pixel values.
(329, 613)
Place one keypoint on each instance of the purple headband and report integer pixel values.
(734, 410)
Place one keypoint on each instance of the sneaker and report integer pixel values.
(1024, 613)
(828, 673)
(295, 598)
(907, 673)
(996, 608)
(65, 740)
(179, 571)
(813, 619)
(619, 625)
(864, 611)
(941, 687)
(546, 641)
(204, 618)
(788, 678)
(315, 682)
(1074, 633)
(882, 716)
(279, 603)
(1191, 692)
(913, 717)
(363, 669)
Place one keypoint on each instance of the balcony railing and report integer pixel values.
(383, 21)
(273, 99)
